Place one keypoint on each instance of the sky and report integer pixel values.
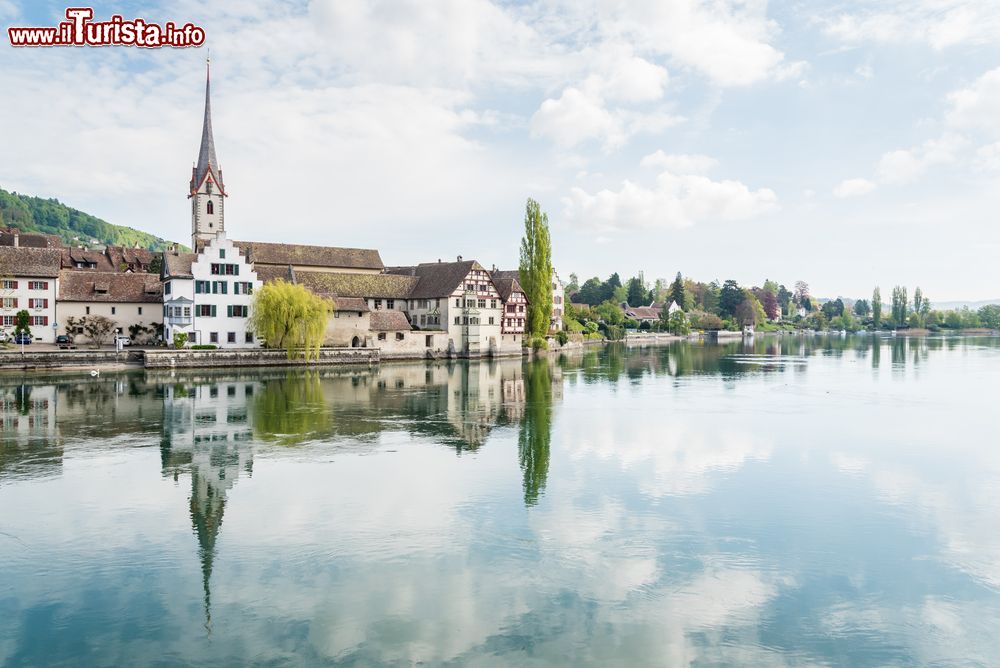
(846, 144)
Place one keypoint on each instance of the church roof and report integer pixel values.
(206, 153)
(365, 286)
(334, 257)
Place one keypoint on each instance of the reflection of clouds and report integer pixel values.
(964, 510)
(668, 457)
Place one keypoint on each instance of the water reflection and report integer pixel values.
(784, 500)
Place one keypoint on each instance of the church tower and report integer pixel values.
(207, 192)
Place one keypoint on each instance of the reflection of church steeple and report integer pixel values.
(208, 504)
(204, 431)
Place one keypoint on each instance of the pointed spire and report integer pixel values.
(206, 154)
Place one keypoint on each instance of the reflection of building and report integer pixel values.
(205, 430)
(31, 443)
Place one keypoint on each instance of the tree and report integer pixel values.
(677, 292)
(637, 294)
(918, 300)
(573, 285)
(180, 339)
(833, 309)
(535, 270)
(677, 324)
(771, 307)
(801, 295)
(97, 328)
(784, 297)
(750, 311)
(22, 322)
(989, 316)
(287, 315)
(730, 296)
(877, 307)
(710, 298)
(608, 312)
(862, 308)
(899, 306)
(590, 292)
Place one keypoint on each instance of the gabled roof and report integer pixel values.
(642, 313)
(366, 286)
(93, 286)
(178, 265)
(507, 286)
(260, 252)
(350, 304)
(389, 321)
(30, 262)
(437, 279)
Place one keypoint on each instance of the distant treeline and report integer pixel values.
(74, 227)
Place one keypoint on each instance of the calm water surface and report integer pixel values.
(797, 501)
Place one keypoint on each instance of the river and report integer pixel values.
(794, 500)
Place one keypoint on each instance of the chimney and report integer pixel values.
(494, 269)
(459, 258)
(439, 260)
(17, 239)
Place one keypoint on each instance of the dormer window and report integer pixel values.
(210, 208)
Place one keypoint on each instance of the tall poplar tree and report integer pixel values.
(877, 307)
(535, 270)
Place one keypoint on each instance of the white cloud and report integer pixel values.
(674, 201)
(679, 163)
(938, 23)
(853, 188)
(977, 107)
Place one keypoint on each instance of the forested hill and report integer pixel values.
(74, 227)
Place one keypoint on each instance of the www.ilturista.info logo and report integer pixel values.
(80, 30)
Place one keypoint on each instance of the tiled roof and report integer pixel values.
(134, 258)
(29, 262)
(506, 273)
(642, 313)
(71, 257)
(311, 256)
(375, 286)
(268, 273)
(178, 265)
(389, 321)
(29, 239)
(350, 304)
(93, 286)
(437, 279)
(507, 286)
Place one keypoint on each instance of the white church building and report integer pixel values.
(207, 293)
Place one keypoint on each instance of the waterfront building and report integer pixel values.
(515, 309)
(29, 281)
(130, 300)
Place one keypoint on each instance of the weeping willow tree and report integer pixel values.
(289, 316)
(292, 409)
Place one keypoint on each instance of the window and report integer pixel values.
(437, 303)
(242, 288)
(140, 310)
(210, 208)
(87, 309)
(493, 303)
(458, 302)
(231, 337)
(237, 310)
(206, 310)
(187, 311)
(249, 337)
(381, 336)
(38, 303)
(38, 285)
(482, 303)
(39, 320)
(491, 321)
(9, 302)
(399, 336)
(213, 338)
(458, 321)
(112, 310)
(166, 288)
(428, 340)
(390, 303)
(9, 285)
(220, 287)
(378, 304)
(6, 320)
(222, 253)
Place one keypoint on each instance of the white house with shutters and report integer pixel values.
(29, 280)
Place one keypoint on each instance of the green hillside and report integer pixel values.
(49, 216)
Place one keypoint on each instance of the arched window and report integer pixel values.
(209, 208)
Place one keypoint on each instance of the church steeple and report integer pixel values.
(207, 190)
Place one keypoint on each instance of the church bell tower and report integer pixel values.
(207, 191)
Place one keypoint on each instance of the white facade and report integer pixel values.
(558, 303)
(35, 295)
(213, 305)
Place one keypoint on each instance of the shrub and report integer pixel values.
(539, 343)
(562, 337)
(180, 338)
(204, 346)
